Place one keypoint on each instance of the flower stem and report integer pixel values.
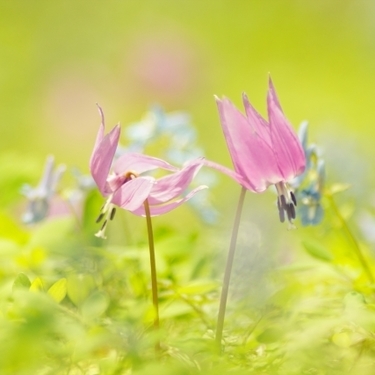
(350, 235)
(228, 270)
(154, 283)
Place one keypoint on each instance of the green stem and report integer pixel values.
(350, 235)
(228, 270)
(154, 283)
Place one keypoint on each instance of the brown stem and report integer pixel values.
(154, 283)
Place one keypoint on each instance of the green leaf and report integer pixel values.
(175, 309)
(95, 305)
(79, 287)
(342, 339)
(37, 285)
(58, 290)
(337, 188)
(21, 282)
(270, 335)
(317, 251)
(198, 287)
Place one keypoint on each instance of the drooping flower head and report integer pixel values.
(263, 153)
(178, 135)
(128, 187)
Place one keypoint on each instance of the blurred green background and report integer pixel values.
(58, 58)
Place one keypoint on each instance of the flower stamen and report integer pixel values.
(293, 198)
(108, 211)
(281, 211)
(130, 175)
(112, 214)
(99, 218)
(286, 203)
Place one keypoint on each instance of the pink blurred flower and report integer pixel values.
(263, 153)
(127, 186)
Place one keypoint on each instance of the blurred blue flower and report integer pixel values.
(310, 184)
(40, 197)
(156, 123)
(180, 136)
(310, 209)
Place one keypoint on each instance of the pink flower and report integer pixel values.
(263, 153)
(127, 186)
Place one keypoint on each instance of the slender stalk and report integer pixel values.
(350, 235)
(154, 283)
(228, 270)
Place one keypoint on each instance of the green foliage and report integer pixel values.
(71, 305)
(58, 290)
(301, 302)
(21, 282)
(317, 250)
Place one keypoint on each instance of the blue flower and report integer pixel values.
(40, 197)
(176, 130)
(310, 184)
(310, 209)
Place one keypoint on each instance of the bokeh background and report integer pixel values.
(58, 58)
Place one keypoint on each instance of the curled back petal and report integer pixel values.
(162, 209)
(131, 195)
(289, 154)
(260, 125)
(252, 157)
(100, 134)
(102, 156)
(232, 174)
(171, 186)
(272, 91)
(140, 163)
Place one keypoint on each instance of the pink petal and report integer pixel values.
(139, 163)
(232, 174)
(288, 150)
(133, 193)
(171, 186)
(100, 134)
(160, 210)
(252, 157)
(272, 91)
(260, 125)
(102, 156)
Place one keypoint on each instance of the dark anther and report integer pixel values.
(292, 211)
(100, 217)
(283, 201)
(293, 198)
(113, 211)
(281, 211)
(104, 224)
